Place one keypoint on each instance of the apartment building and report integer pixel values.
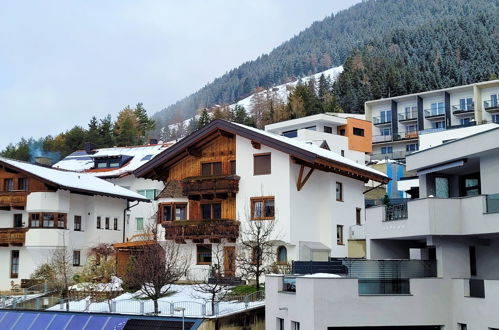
(433, 262)
(225, 175)
(116, 165)
(44, 209)
(349, 135)
(399, 121)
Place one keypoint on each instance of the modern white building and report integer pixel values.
(116, 165)
(398, 122)
(433, 262)
(343, 133)
(44, 209)
(225, 175)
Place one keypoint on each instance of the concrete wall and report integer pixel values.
(489, 169)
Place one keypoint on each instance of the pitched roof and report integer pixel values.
(72, 181)
(303, 153)
(80, 161)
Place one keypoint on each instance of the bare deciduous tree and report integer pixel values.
(256, 248)
(214, 284)
(156, 266)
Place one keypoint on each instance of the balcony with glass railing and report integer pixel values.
(408, 116)
(463, 110)
(382, 138)
(434, 113)
(491, 105)
(382, 120)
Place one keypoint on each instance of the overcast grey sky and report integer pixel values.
(61, 62)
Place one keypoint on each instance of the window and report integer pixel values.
(256, 255)
(466, 121)
(342, 132)
(339, 191)
(8, 185)
(342, 153)
(385, 116)
(280, 324)
(437, 108)
(232, 167)
(22, 184)
(261, 164)
(471, 186)
(61, 220)
(441, 187)
(107, 223)
(295, 325)
(76, 258)
(282, 255)
(262, 208)
(411, 128)
(495, 119)
(34, 220)
(98, 222)
(339, 234)
(462, 326)
(77, 223)
(358, 131)
(203, 254)
(386, 150)
(14, 263)
(328, 129)
(146, 157)
(209, 169)
(148, 193)
(172, 211)
(140, 223)
(48, 220)
(211, 211)
(358, 211)
(386, 132)
(18, 220)
(466, 104)
(412, 147)
(115, 224)
(290, 134)
(438, 124)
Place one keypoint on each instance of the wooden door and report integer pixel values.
(229, 260)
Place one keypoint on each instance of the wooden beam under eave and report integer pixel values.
(256, 145)
(300, 183)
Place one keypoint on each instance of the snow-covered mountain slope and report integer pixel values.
(282, 91)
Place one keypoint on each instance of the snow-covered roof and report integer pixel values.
(313, 148)
(73, 181)
(80, 161)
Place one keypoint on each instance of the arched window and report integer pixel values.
(282, 254)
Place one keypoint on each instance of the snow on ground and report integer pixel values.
(6, 301)
(321, 275)
(184, 296)
(114, 286)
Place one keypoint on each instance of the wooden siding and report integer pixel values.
(17, 197)
(222, 149)
(228, 208)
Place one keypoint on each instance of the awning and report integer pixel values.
(441, 167)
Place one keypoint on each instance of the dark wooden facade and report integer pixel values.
(198, 230)
(12, 236)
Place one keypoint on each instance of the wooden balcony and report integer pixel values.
(13, 198)
(209, 187)
(13, 236)
(198, 230)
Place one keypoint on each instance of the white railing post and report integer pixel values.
(113, 306)
(142, 308)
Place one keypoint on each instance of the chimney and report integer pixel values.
(89, 147)
(153, 141)
(44, 161)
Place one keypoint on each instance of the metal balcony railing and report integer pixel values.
(384, 286)
(434, 112)
(458, 109)
(396, 212)
(382, 138)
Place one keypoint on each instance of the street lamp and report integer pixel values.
(181, 309)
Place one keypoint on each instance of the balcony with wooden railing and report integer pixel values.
(12, 236)
(212, 186)
(197, 230)
(13, 198)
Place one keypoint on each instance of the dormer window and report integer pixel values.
(111, 162)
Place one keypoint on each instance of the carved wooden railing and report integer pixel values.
(15, 236)
(201, 229)
(13, 198)
(210, 185)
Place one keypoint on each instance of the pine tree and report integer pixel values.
(204, 119)
(145, 124)
(92, 134)
(106, 136)
(126, 128)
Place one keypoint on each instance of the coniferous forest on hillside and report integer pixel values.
(386, 47)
